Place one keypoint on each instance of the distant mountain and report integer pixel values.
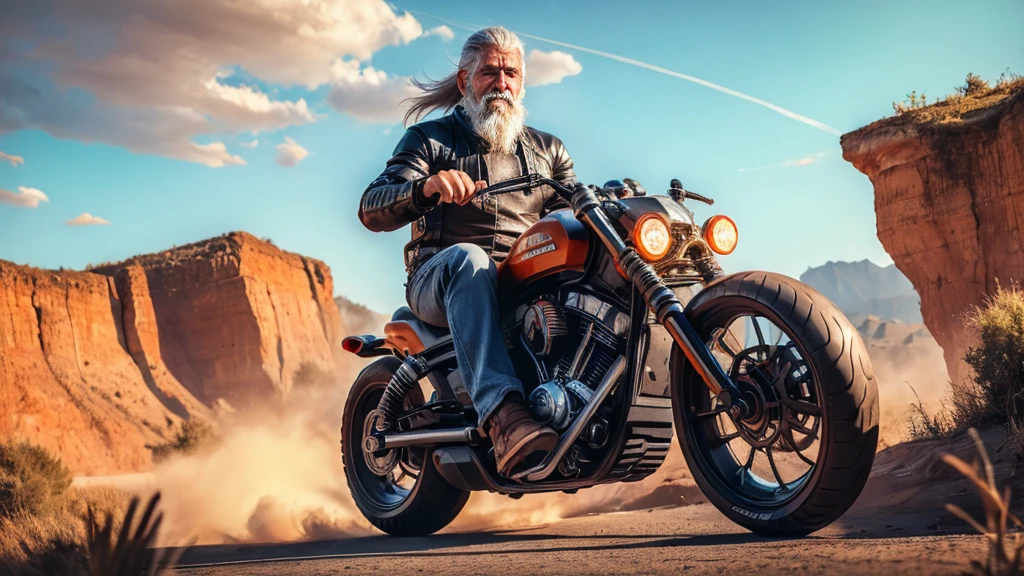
(865, 288)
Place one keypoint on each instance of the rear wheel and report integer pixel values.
(801, 457)
(398, 491)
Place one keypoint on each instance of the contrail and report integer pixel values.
(660, 70)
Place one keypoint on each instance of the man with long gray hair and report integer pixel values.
(457, 237)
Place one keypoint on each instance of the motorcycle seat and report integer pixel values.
(408, 332)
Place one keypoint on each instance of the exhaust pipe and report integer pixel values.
(423, 438)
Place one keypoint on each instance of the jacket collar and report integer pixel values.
(463, 121)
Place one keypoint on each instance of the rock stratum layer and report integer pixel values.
(949, 205)
(97, 366)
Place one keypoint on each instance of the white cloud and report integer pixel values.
(14, 160)
(806, 160)
(549, 67)
(160, 72)
(443, 32)
(25, 197)
(251, 144)
(369, 94)
(86, 219)
(289, 153)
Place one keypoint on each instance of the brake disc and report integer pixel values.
(381, 463)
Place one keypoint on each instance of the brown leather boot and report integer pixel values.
(516, 435)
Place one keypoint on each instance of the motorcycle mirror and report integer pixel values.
(678, 193)
(636, 187)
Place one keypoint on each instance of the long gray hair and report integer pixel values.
(444, 94)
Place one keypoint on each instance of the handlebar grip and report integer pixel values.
(700, 198)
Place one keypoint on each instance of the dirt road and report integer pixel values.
(898, 527)
(693, 539)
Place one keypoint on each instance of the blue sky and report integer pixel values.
(842, 64)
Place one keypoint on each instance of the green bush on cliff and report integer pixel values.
(31, 480)
(191, 436)
(996, 394)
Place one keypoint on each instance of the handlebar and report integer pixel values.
(529, 181)
(535, 180)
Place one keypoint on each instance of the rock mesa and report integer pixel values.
(949, 203)
(96, 366)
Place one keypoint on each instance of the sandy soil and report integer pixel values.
(899, 525)
(696, 540)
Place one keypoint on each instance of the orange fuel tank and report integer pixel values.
(556, 243)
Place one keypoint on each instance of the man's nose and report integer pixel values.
(501, 83)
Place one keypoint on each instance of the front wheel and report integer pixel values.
(802, 455)
(399, 491)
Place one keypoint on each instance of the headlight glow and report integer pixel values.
(721, 234)
(652, 237)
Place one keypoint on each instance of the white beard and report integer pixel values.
(500, 125)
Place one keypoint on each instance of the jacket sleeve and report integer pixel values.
(396, 198)
(561, 170)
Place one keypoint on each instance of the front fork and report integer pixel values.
(662, 301)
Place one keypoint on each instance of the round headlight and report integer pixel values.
(721, 234)
(652, 237)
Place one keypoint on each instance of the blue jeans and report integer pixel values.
(456, 288)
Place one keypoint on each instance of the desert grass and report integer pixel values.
(993, 394)
(975, 94)
(110, 537)
(997, 361)
(1004, 549)
(921, 424)
(46, 527)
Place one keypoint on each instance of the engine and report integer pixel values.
(573, 344)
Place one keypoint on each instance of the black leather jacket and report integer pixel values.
(396, 198)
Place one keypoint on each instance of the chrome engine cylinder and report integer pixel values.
(556, 404)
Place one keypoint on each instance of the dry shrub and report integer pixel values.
(45, 528)
(974, 85)
(921, 425)
(31, 480)
(996, 395)
(974, 94)
(107, 539)
(1004, 552)
(969, 405)
(192, 435)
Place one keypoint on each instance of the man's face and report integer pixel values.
(497, 72)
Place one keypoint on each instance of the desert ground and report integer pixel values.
(899, 525)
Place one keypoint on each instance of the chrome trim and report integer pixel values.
(429, 438)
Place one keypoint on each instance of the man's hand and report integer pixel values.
(454, 186)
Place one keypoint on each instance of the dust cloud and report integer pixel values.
(275, 474)
(902, 370)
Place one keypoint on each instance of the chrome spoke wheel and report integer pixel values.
(767, 455)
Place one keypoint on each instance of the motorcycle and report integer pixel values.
(621, 324)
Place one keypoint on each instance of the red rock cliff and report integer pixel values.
(97, 365)
(949, 203)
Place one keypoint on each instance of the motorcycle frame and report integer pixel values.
(460, 464)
